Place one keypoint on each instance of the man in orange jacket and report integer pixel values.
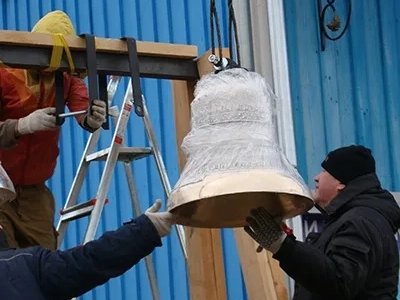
(29, 141)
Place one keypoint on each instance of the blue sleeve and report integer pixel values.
(70, 273)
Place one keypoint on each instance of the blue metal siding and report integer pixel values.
(348, 93)
(175, 21)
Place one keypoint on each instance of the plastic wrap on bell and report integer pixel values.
(233, 160)
(7, 190)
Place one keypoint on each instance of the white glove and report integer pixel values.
(162, 221)
(98, 116)
(40, 120)
(265, 230)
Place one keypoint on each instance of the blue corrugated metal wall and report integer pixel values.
(348, 93)
(174, 21)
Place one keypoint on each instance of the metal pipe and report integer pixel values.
(71, 114)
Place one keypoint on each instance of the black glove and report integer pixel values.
(265, 230)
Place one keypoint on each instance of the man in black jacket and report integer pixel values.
(37, 273)
(356, 255)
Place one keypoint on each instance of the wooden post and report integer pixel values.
(204, 246)
(263, 277)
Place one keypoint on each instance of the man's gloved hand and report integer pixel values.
(40, 120)
(265, 230)
(162, 220)
(98, 116)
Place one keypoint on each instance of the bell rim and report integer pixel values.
(238, 182)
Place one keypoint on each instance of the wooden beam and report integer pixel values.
(262, 274)
(26, 50)
(204, 246)
(263, 277)
(103, 45)
(256, 268)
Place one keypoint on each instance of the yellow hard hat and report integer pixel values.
(55, 22)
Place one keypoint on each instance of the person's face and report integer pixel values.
(327, 187)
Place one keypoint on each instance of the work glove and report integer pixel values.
(162, 221)
(98, 116)
(265, 230)
(40, 120)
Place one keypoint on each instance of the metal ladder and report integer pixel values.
(116, 152)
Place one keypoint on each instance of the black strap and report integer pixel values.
(135, 75)
(60, 103)
(104, 96)
(93, 85)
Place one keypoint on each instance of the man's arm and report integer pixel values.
(68, 274)
(342, 271)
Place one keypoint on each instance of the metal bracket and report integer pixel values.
(334, 25)
(94, 85)
(60, 103)
(222, 64)
(135, 75)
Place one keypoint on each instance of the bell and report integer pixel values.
(7, 190)
(233, 160)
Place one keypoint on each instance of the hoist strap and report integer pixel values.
(59, 45)
(104, 97)
(93, 85)
(135, 75)
(60, 103)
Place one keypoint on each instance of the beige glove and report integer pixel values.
(40, 120)
(162, 221)
(98, 116)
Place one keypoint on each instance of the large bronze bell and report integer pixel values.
(7, 190)
(234, 162)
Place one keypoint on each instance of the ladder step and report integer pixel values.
(78, 211)
(126, 154)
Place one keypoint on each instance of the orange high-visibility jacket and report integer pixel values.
(33, 159)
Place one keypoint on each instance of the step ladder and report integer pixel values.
(117, 151)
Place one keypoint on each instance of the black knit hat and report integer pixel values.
(348, 163)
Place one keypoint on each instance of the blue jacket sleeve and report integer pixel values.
(70, 273)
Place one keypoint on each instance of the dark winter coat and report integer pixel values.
(39, 274)
(356, 255)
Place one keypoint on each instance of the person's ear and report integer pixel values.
(341, 187)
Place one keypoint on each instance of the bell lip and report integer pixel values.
(255, 181)
(237, 182)
(221, 223)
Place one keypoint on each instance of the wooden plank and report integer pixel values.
(260, 270)
(262, 274)
(27, 50)
(263, 277)
(256, 268)
(204, 246)
(106, 45)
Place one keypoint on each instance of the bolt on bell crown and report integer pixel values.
(233, 160)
